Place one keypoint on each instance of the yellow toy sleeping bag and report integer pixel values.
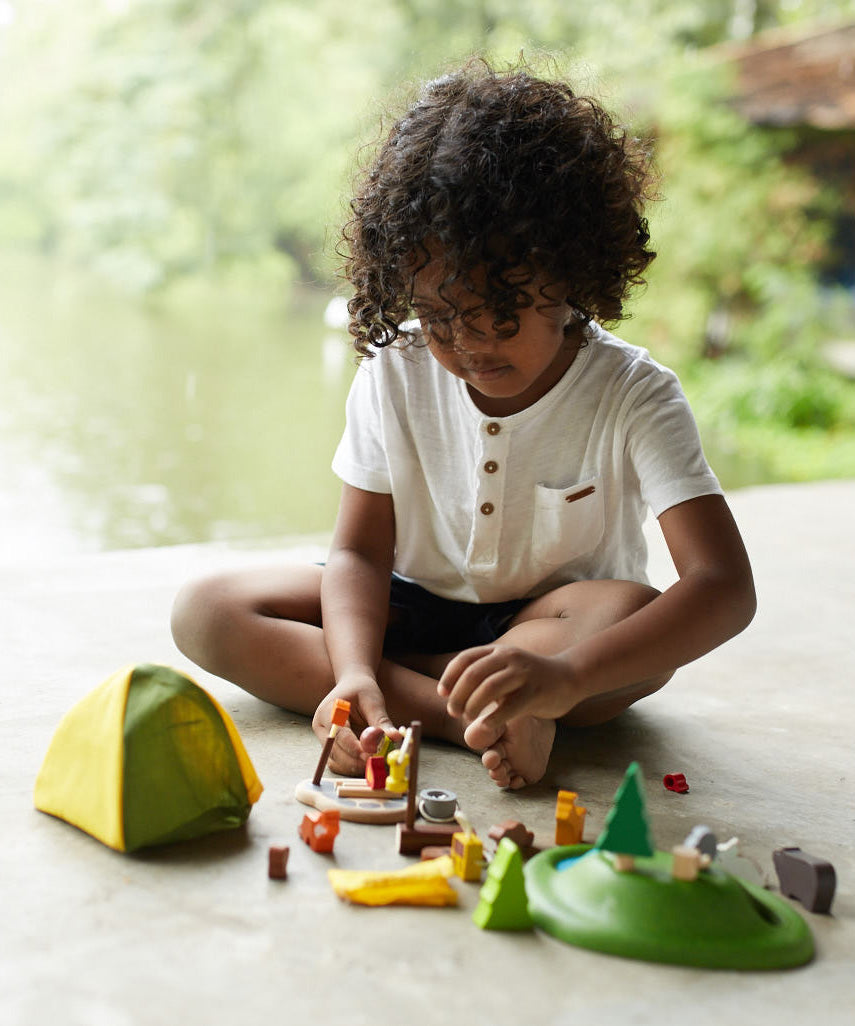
(146, 758)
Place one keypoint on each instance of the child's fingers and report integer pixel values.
(456, 682)
(520, 689)
(485, 680)
(347, 756)
(494, 720)
(371, 737)
(493, 689)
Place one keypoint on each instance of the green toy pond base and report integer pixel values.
(715, 922)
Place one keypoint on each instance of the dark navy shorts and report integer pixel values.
(420, 621)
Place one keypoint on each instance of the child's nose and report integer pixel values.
(474, 342)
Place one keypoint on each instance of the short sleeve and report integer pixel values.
(664, 444)
(360, 459)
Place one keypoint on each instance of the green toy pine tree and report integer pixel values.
(627, 832)
(503, 904)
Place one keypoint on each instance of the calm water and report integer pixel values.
(123, 425)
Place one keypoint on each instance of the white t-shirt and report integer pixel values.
(493, 508)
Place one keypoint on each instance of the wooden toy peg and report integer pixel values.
(341, 711)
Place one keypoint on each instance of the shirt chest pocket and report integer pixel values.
(568, 522)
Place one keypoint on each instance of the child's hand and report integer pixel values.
(498, 683)
(367, 710)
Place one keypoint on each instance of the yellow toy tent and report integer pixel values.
(146, 758)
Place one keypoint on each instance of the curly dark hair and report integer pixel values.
(509, 176)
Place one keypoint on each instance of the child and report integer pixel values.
(487, 569)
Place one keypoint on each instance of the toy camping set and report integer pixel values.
(150, 758)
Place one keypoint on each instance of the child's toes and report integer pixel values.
(480, 735)
(497, 766)
(493, 757)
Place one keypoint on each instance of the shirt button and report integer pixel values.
(491, 466)
(493, 428)
(487, 508)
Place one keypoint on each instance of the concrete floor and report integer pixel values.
(197, 933)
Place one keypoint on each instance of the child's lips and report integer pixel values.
(488, 373)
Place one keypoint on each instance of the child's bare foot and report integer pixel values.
(519, 755)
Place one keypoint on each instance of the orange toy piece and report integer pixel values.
(320, 829)
(569, 818)
(341, 711)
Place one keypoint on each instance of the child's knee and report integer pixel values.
(630, 596)
(586, 607)
(607, 602)
(202, 609)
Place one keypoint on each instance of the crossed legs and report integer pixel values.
(261, 629)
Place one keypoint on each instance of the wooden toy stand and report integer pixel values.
(412, 836)
(324, 796)
(377, 808)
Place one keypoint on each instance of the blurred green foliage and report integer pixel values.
(159, 140)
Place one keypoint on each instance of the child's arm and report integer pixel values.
(355, 608)
(712, 601)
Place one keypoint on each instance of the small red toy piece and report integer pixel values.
(675, 782)
(277, 866)
(376, 771)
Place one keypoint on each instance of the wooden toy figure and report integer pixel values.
(467, 853)
(569, 818)
(399, 761)
(376, 772)
(687, 861)
(320, 829)
(810, 879)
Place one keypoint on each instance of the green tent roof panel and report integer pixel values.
(147, 758)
